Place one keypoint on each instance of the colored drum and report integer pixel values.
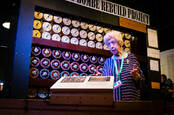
(74, 66)
(65, 65)
(92, 68)
(76, 56)
(34, 72)
(100, 68)
(45, 62)
(35, 61)
(83, 67)
(66, 55)
(83, 74)
(43, 93)
(55, 74)
(84, 58)
(46, 52)
(64, 74)
(101, 60)
(36, 51)
(55, 64)
(93, 59)
(74, 74)
(32, 92)
(44, 73)
(56, 53)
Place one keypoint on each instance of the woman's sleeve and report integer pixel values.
(135, 61)
(105, 68)
(141, 83)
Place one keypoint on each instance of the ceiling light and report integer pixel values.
(6, 25)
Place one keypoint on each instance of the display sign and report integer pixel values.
(154, 65)
(154, 53)
(114, 9)
(132, 25)
(152, 38)
(155, 85)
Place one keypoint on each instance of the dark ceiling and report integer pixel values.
(161, 16)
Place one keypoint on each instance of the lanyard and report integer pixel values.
(115, 63)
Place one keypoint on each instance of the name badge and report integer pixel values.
(117, 84)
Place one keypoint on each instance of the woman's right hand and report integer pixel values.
(97, 73)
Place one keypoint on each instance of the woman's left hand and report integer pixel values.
(135, 72)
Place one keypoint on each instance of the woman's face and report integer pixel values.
(114, 46)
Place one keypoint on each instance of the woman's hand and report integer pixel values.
(135, 72)
(97, 73)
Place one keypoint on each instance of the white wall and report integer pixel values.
(167, 63)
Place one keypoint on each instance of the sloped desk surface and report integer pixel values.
(84, 82)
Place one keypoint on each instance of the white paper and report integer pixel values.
(154, 53)
(84, 85)
(152, 38)
(154, 65)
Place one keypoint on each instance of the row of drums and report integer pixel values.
(65, 55)
(56, 74)
(47, 63)
(67, 21)
(41, 93)
(64, 65)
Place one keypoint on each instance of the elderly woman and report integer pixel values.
(124, 67)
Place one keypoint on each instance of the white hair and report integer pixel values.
(113, 35)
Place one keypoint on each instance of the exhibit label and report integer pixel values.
(114, 9)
